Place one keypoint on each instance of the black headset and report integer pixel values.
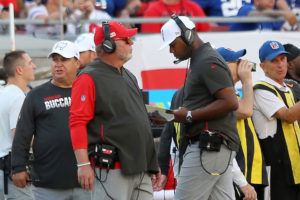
(108, 44)
(187, 34)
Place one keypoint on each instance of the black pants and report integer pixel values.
(280, 190)
(260, 191)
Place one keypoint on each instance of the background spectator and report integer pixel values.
(165, 8)
(5, 3)
(119, 8)
(211, 8)
(294, 5)
(46, 9)
(85, 9)
(263, 8)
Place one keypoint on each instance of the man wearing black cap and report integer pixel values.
(275, 115)
(292, 78)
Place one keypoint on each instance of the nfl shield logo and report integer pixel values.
(83, 97)
(274, 45)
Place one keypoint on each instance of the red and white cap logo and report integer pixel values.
(274, 45)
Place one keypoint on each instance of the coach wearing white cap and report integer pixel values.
(207, 113)
(87, 48)
(45, 114)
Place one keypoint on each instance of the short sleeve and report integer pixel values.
(267, 102)
(14, 112)
(216, 78)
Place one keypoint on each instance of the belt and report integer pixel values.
(193, 139)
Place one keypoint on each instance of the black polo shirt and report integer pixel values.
(209, 73)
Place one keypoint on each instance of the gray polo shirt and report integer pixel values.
(209, 73)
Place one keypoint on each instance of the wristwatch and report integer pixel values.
(189, 117)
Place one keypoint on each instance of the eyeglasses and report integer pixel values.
(127, 40)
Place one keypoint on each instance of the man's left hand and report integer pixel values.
(155, 178)
(249, 192)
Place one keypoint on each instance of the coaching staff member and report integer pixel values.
(107, 109)
(208, 111)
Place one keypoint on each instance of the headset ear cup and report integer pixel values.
(109, 45)
(187, 34)
(189, 37)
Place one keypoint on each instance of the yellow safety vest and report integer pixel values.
(250, 158)
(291, 133)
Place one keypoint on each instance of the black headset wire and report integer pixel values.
(100, 181)
(141, 179)
(212, 173)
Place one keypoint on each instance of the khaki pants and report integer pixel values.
(116, 186)
(194, 183)
(14, 192)
(41, 193)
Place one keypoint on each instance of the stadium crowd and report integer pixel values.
(78, 10)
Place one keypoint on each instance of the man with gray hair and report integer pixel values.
(109, 124)
(275, 116)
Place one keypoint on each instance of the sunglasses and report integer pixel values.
(127, 40)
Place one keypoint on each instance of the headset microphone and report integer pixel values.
(177, 61)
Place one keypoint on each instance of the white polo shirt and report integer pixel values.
(266, 104)
(11, 101)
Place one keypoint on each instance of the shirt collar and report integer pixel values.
(283, 88)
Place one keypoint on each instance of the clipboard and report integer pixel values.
(159, 114)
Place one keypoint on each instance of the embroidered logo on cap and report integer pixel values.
(274, 45)
(61, 45)
(113, 34)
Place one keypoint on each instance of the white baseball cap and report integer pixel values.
(86, 42)
(170, 30)
(66, 49)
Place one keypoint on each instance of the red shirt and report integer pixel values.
(82, 110)
(6, 3)
(184, 7)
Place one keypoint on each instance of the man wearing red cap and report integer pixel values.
(109, 119)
